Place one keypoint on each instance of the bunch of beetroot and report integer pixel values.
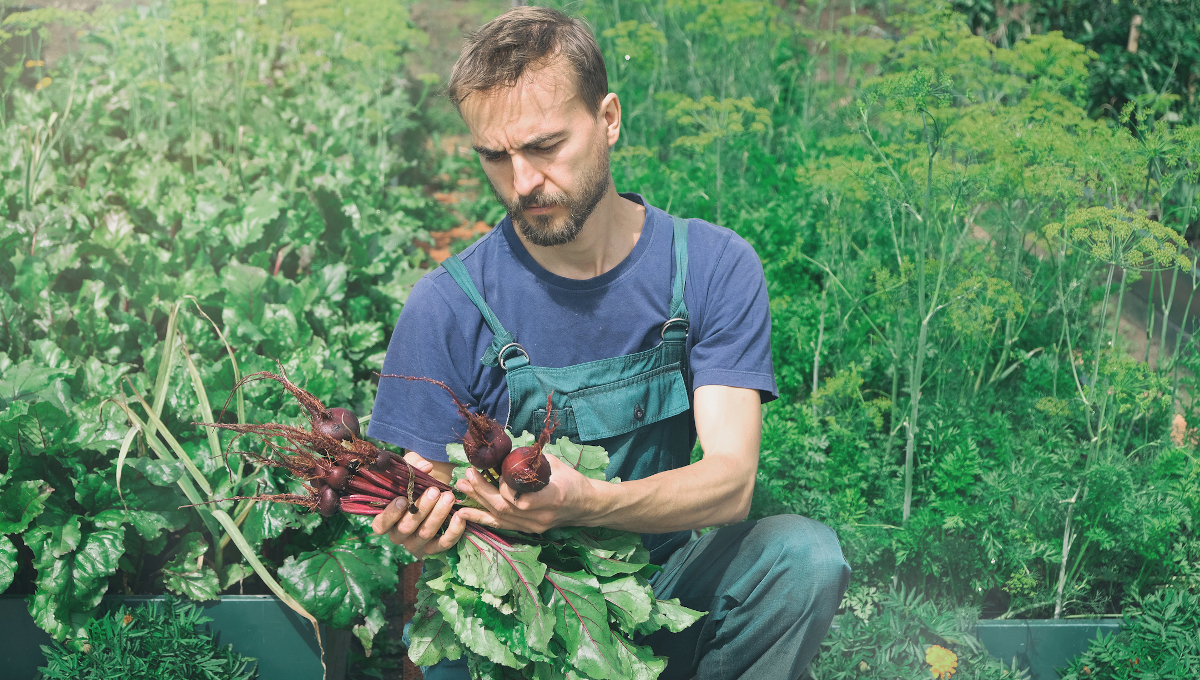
(488, 447)
(343, 472)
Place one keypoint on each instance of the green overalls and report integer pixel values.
(770, 587)
(636, 406)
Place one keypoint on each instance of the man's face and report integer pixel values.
(544, 153)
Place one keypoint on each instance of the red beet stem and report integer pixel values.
(360, 484)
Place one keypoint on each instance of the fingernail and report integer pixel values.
(431, 493)
(400, 503)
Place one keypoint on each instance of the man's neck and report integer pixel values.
(607, 238)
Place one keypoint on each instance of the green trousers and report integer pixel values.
(770, 588)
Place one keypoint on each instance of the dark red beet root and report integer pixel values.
(486, 443)
(526, 470)
(486, 449)
(328, 503)
(340, 424)
(337, 478)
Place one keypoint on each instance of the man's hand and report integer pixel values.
(564, 501)
(418, 532)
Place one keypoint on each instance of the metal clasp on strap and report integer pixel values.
(675, 320)
(504, 350)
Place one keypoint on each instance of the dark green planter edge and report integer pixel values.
(1041, 645)
(259, 626)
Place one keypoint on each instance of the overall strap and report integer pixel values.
(676, 327)
(503, 342)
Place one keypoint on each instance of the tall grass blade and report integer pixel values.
(237, 373)
(174, 444)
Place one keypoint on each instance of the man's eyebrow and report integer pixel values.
(539, 140)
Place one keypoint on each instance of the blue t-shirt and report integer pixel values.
(563, 322)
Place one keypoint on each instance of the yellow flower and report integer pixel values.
(34, 62)
(43, 83)
(942, 661)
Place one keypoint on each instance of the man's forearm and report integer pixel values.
(711, 492)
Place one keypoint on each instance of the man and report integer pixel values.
(648, 330)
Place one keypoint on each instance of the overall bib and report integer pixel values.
(770, 586)
(636, 406)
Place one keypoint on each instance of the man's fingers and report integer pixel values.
(437, 516)
(483, 491)
(409, 523)
(477, 516)
(453, 533)
(386, 520)
(416, 460)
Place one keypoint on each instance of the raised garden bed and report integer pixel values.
(259, 626)
(1041, 645)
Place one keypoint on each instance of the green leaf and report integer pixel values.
(669, 614)
(75, 581)
(234, 573)
(158, 472)
(340, 582)
(590, 461)
(149, 524)
(458, 610)
(607, 552)
(56, 539)
(370, 627)
(582, 622)
(187, 575)
(8, 563)
(245, 288)
(643, 665)
(262, 207)
(431, 638)
(497, 570)
(515, 572)
(630, 600)
(29, 380)
(21, 503)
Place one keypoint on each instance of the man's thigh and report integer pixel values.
(770, 588)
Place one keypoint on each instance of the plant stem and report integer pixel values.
(1066, 549)
(817, 353)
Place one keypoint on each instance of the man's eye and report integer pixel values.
(493, 156)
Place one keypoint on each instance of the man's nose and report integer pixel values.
(526, 177)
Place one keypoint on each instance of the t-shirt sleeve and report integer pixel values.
(427, 342)
(733, 345)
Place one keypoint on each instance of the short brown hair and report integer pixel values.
(523, 37)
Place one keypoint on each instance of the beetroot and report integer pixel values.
(525, 469)
(338, 423)
(486, 443)
(328, 502)
(337, 478)
(486, 448)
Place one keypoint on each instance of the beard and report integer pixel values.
(540, 230)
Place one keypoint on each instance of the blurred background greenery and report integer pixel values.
(976, 221)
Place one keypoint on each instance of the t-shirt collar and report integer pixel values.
(522, 254)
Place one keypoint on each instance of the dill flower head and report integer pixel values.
(942, 661)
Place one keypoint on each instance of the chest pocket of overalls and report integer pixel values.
(618, 408)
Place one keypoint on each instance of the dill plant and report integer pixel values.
(153, 640)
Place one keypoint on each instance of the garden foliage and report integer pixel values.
(202, 187)
(951, 227)
(1157, 640)
(153, 640)
(956, 399)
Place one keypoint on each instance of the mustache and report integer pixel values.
(538, 200)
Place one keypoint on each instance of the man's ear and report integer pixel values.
(610, 113)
